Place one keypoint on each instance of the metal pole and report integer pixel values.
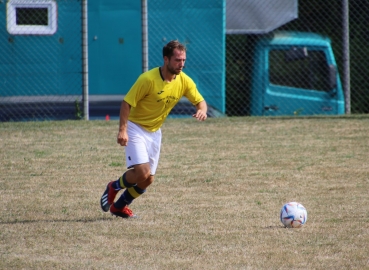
(145, 39)
(85, 59)
(346, 56)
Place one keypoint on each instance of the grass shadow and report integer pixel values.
(80, 220)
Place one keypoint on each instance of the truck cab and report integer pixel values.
(295, 73)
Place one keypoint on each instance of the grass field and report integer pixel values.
(214, 205)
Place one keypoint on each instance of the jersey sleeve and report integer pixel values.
(192, 93)
(138, 91)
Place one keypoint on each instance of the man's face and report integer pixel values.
(176, 63)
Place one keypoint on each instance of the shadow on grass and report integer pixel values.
(275, 227)
(80, 220)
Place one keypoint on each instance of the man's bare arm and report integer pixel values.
(122, 137)
(201, 110)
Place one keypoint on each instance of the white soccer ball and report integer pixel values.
(293, 215)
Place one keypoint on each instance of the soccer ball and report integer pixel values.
(293, 215)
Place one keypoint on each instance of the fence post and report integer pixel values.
(85, 59)
(346, 56)
(145, 41)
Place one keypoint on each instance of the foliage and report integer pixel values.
(78, 112)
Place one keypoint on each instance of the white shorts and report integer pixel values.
(143, 147)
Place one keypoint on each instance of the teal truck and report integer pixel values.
(291, 74)
(53, 71)
(295, 73)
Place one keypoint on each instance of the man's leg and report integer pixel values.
(142, 156)
(137, 176)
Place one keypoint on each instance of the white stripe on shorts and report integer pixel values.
(143, 146)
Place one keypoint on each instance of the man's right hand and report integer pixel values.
(122, 138)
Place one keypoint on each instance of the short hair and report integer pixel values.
(170, 46)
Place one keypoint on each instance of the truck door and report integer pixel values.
(301, 82)
(115, 50)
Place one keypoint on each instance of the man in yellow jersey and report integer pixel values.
(142, 113)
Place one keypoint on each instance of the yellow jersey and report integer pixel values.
(152, 98)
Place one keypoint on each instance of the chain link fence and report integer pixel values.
(200, 25)
(326, 18)
(41, 60)
(240, 72)
(301, 85)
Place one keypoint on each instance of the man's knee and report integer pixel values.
(141, 172)
(145, 184)
(150, 180)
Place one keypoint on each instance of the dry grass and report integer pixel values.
(214, 205)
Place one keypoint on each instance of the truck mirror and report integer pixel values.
(296, 53)
(332, 71)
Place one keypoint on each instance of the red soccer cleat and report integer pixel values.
(107, 199)
(125, 212)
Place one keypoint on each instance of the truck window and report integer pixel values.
(31, 16)
(36, 17)
(310, 72)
